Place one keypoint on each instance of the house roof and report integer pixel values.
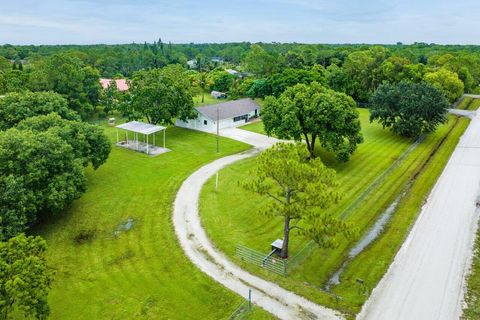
(140, 127)
(122, 84)
(229, 109)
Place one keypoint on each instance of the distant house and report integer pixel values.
(192, 64)
(218, 94)
(232, 72)
(122, 84)
(229, 114)
(217, 59)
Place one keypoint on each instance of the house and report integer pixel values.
(122, 84)
(218, 94)
(232, 72)
(229, 114)
(192, 64)
(217, 59)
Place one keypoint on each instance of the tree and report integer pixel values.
(311, 112)
(299, 188)
(89, 142)
(160, 96)
(221, 80)
(260, 62)
(294, 60)
(259, 88)
(5, 65)
(290, 77)
(67, 75)
(12, 81)
(38, 173)
(41, 168)
(25, 278)
(409, 109)
(109, 97)
(14, 107)
(447, 82)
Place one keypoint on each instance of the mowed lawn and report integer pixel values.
(230, 214)
(103, 270)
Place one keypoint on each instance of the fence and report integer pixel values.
(260, 259)
(273, 263)
(243, 310)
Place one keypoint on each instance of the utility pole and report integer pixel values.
(218, 132)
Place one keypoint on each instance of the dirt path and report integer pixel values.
(198, 247)
(427, 278)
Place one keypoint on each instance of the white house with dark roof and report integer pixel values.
(229, 114)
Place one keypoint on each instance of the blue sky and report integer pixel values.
(308, 21)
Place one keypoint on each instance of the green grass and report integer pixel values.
(230, 219)
(469, 103)
(208, 99)
(472, 297)
(141, 273)
(256, 127)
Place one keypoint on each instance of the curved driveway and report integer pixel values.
(194, 241)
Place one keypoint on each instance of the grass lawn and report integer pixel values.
(472, 298)
(208, 99)
(256, 126)
(230, 217)
(104, 271)
(469, 103)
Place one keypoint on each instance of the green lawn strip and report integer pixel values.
(230, 218)
(474, 105)
(371, 264)
(208, 100)
(141, 273)
(472, 296)
(469, 103)
(256, 127)
(464, 103)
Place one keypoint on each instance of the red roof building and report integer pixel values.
(122, 84)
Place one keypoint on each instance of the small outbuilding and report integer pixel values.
(137, 137)
(228, 114)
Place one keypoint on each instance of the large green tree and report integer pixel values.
(38, 173)
(109, 97)
(409, 109)
(260, 62)
(89, 142)
(221, 80)
(15, 107)
(41, 168)
(290, 77)
(299, 189)
(67, 75)
(314, 112)
(160, 96)
(447, 82)
(25, 278)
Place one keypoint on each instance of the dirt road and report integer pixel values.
(426, 279)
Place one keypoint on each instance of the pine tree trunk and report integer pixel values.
(286, 235)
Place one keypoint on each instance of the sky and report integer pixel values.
(303, 21)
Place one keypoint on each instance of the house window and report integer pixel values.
(205, 122)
